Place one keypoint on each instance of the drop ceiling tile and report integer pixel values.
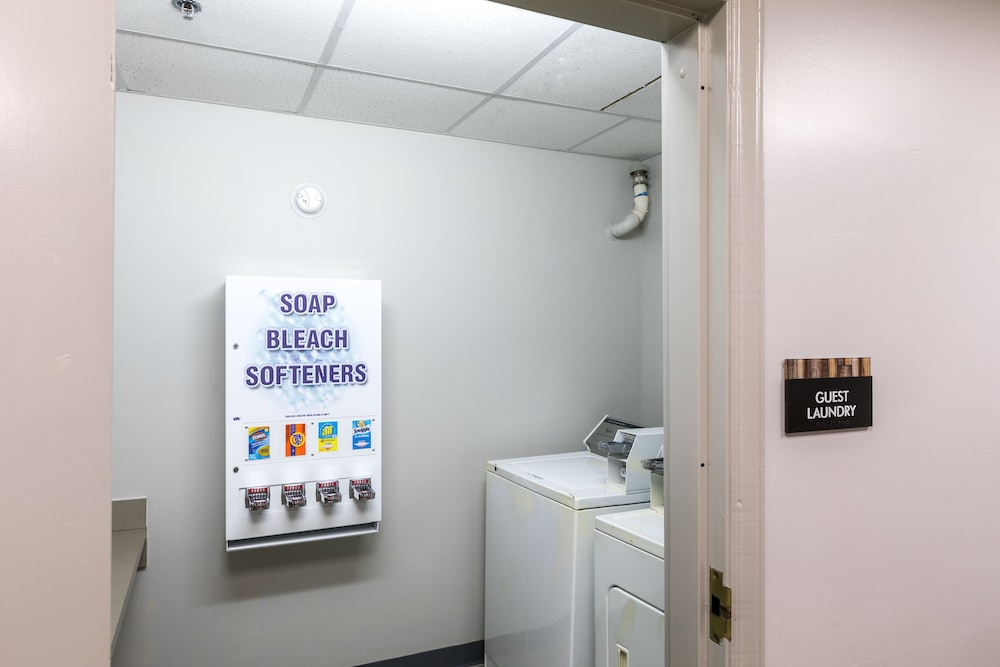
(633, 139)
(188, 71)
(470, 44)
(644, 103)
(591, 69)
(530, 124)
(381, 101)
(296, 29)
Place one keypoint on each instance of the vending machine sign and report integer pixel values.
(303, 367)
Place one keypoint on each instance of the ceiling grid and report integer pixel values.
(506, 84)
(331, 44)
(468, 68)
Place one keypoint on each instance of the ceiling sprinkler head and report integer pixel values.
(188, 8)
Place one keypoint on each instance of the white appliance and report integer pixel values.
(629, 599)
(540, 513)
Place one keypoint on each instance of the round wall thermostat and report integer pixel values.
(308, 200)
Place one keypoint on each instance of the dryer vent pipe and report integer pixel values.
(640, 199)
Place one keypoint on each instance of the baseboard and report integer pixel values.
(465, 655)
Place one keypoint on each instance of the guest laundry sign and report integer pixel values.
(827, 394)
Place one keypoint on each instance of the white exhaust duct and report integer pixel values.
(640, 199)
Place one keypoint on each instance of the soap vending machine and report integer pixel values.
(303, 409)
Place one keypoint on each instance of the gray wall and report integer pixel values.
(651, 299)
(511, 324)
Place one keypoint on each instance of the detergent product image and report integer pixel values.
(327, 441)
(259, 442)
(362, 435)
(295, 439)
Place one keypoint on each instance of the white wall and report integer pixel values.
(881, 172)
(651, 299)
(56, 144)
(510, 327)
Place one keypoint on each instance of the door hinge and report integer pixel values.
(720, 620)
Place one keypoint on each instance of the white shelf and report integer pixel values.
(128, 555)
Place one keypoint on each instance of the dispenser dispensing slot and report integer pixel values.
(328, 493)
(258, 498)
(293, 495)
(361, 489)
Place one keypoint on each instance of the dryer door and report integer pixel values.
(636, 632)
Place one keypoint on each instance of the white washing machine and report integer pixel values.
(540, 515)
(629, 595)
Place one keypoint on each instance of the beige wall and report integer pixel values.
(56, 120)
(881, 239)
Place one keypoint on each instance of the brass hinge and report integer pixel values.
(720, 620)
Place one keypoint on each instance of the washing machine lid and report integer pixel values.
(642, 529)
(578, 480)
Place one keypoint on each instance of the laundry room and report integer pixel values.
(512, 320)
(177, 205)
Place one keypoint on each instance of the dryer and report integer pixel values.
(629, 594)
(540, 514)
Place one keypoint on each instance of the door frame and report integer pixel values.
(746, 332)
(722, 425)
